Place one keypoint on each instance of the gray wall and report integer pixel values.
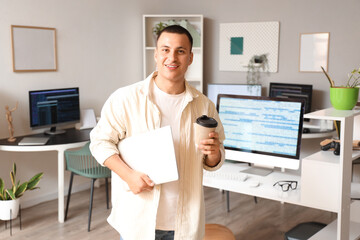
(100, 49)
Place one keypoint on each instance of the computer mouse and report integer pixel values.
(254, 183)
(243, 177)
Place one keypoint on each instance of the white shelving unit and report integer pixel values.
(194, 73)
(325, 180)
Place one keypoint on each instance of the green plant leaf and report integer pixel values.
(14, 188)
(12, 177)
(31, 185)
(34, 181)
(21, 189)
(6, 195)
(39, 175)
(11, 194)
(2, 185)
(14, 168)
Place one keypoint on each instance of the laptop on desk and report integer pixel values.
(29, 141)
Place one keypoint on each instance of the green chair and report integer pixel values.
(82, 163)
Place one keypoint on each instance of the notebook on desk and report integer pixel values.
(28, 141)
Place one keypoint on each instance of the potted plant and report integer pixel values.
(10, 198)
(256, 63)
(345, 97)
(158, 28)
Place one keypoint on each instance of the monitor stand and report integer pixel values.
(54, 131)
(258, 171)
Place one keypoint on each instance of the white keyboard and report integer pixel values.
(235, 176)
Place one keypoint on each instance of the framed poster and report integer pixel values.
(239, 42)
(314, 52)
(33, 48)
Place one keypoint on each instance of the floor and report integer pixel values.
(250, 221)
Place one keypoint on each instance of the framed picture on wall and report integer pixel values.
(240, 42)
(33, 48)
(314, 52)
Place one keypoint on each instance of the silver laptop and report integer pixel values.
(28, 141)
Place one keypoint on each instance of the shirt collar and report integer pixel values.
(190, 92)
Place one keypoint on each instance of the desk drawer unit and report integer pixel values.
(320, 181)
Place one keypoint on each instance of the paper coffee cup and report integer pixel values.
(203, 126)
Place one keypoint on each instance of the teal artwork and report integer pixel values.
(237, 45)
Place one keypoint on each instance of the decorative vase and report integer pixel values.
(343, 98)
(6, 205)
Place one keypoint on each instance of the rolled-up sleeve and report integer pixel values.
(108, 131)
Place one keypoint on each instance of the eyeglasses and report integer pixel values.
(286, 185)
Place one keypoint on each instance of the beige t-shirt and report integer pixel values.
(170, 107)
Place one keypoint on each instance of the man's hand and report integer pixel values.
(211, 148)
(139, 182)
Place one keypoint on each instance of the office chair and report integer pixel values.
(82, 163)
(304, 231)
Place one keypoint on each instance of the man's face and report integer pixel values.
(173, 56)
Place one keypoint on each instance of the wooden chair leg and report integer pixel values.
(91, 201)
(107, 192)
(69, 194)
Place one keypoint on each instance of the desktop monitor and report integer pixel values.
(214, 90)
(296, 91)
(262, 130)
(54, 107)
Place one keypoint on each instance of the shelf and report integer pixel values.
(329, 232)
(330, 157)
(320, 134)
(333, 114)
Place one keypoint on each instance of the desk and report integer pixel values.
(320, 169)
(72, 138)
(226, 179)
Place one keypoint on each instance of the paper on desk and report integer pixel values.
(151, 153)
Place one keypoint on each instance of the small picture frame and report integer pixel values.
(314, 52)
(33, 49)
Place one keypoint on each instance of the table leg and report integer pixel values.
(61, 186)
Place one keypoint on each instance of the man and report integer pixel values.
(175, 210)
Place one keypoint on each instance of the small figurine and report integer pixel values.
(9, 119)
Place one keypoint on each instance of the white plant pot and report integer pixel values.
(5, 207)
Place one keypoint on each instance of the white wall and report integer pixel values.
(100, 49)
(91, 40)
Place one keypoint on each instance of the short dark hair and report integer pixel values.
(176, 29)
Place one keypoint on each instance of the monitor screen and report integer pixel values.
(214, 90)
(54, 107)
(269, 129)
(296, 91)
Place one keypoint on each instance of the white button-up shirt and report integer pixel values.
(130, 111)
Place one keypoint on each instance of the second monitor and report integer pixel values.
(296, 91)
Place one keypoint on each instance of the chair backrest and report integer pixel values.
(84, 164)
